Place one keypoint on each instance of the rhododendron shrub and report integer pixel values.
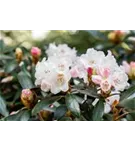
(60, 84)
(94, 71)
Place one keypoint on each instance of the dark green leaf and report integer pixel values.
(23, 115)
(129, 93)
(128, 103)
(66, 119)
(1, 46)
(73, 105)
(90, 92)
(128, 98)
(3, 108)
(25, 80)
(60, 112)
(5, 57)
(108, 117)
(9, 67)
(17, 95)
(11, 49)
(98, 111)
(129, 117)
(44, 104)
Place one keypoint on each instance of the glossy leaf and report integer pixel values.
(73, 104)
(45, 104)
(3, 108)
(60, 112)
(25, 81)
(98, 111)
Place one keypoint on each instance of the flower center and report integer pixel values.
(60, 79)
(105, 86)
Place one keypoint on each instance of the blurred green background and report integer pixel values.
(81, 40)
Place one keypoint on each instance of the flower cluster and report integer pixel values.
(53, 74)
(94, 68)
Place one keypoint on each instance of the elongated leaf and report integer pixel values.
(9, 67)
(129, 93)
(3, 109)
(23, 115)
(60, 112)
(66, 119)
(5, 57)
(128, 98)
(128, 103)
(90, 92)
(73, 104)
(98, 111)
(25, 80)
(44, 104)
(131, 116)
(17, 95)
(1, 46)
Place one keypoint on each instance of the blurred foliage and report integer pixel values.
(16, 76)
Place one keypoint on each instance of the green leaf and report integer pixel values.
(66, 119)
(108, 117)
(25, 80)
(128, 98)
(73, 105)
(128, 103)
(98, 111)
(44, 105)
(5, 57)
(9, 67)
(131, 116)
(1, 46)
(60, 112)
(3, 108)
(23, 115)
(128, 93)
(90, 92)
(17, 95)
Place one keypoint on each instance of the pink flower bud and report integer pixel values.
(119, 32)
(28, 98)
(35, 51)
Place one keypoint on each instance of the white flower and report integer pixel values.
(62, 51)
(53, 75)
(59, 63)
(92, 58)
(120, 79)
(60, 82)
(109, 102)
(110, 73)
(43, 70)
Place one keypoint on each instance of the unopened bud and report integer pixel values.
(19, 54)
(116, 36)
(28, 98)
(36, 53)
